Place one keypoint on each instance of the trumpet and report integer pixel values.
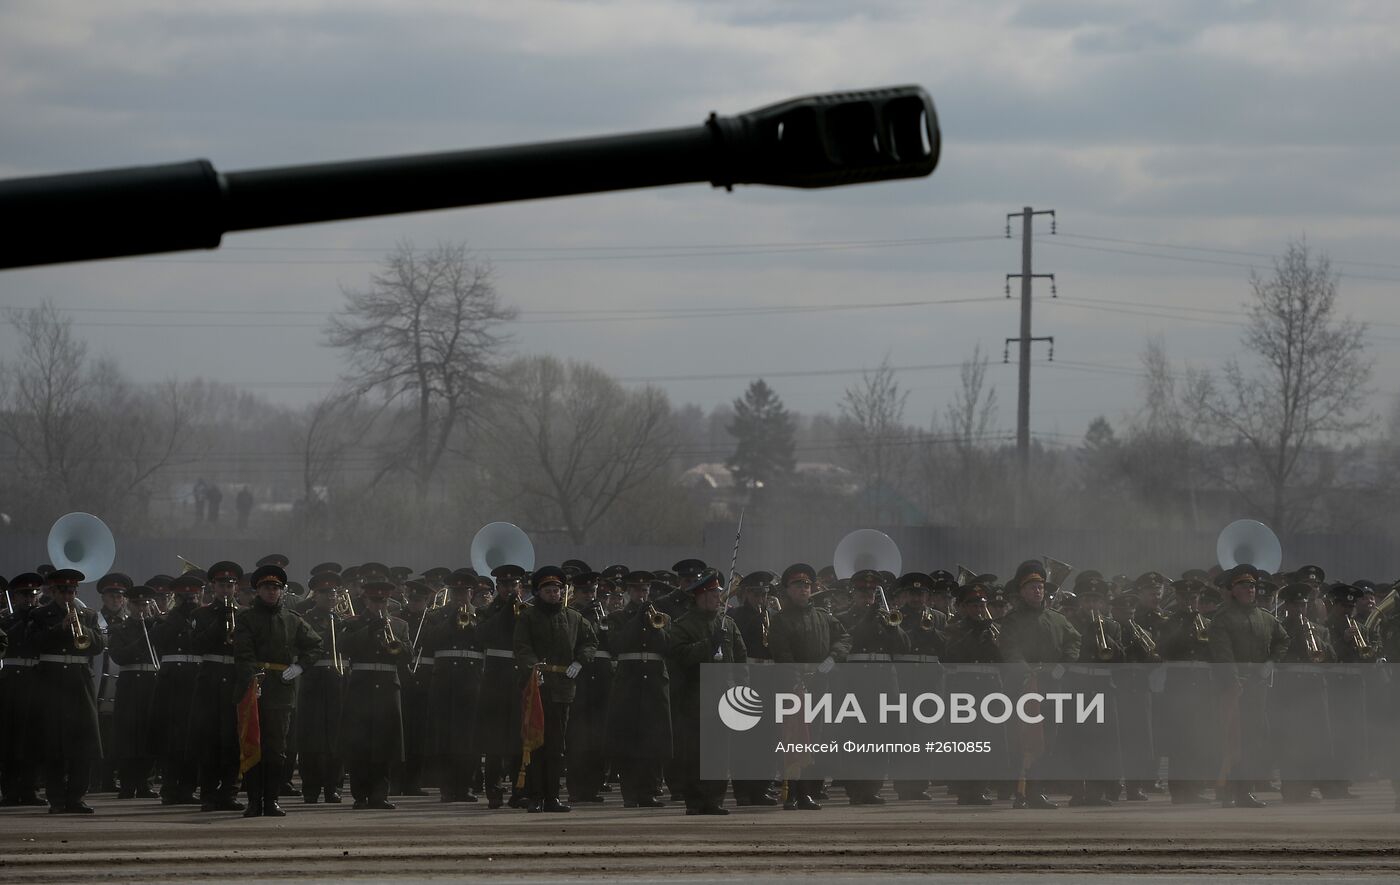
(926, 619)
(232, 622)
(1363, 649)
(81, 640)
(764, 623)
(658, 620)
(391, 643)
(1102, 650)
(1200, 628)
(599, 616)
(519, 607)
(465, 616)
(150, 648)
(889, 617)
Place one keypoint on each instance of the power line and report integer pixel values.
(1213, 261)
(1219, 251)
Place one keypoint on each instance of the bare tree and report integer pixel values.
(570, 443)
(958, 456)
(426, 335)
(875, 439)
(82, 436)
(1311, 382)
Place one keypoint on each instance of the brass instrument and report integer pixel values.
(336, 661)
(518, 607)
(1364, 650)
(658, 620)
(926, 619)
(990, 625)
(764, 623)
(186, 566)
(1383, 608)
(344, 604)
(466, 617)
(1102, 650)
(1058, 571)
(150, 648)
(232, 621)
(1142, 638)
(392, 644)
(889, 617)
(599, 615)
(81, 640)
(1310, 643)
(1200, 628)
(965, 575)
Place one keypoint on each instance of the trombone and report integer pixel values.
(1363, 649)
(1102, 650)
(985, 618)
(889, 617)
(1310, 643)
(391, 643)
(150, 648)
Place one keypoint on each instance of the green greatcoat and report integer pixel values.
(554, 637)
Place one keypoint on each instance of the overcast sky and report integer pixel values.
(1180, 143)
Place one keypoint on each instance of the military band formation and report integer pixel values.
(218, 683)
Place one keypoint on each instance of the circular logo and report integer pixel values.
(740, 708)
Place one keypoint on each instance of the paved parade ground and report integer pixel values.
(139, 841)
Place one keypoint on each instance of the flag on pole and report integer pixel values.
(531, 723)
(249, 728)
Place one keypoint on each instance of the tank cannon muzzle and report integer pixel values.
(815, 141)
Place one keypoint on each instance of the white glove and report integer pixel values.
(825, 666)
(291, 672)
(573, 669)
(719, 655)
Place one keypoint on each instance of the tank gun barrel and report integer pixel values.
(815, 141)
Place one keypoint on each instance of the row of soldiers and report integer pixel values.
(400, 682)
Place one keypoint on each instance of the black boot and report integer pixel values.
(253, 783)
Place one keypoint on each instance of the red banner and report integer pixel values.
(249, 729)
(531, 722)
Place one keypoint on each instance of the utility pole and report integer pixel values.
(1023, 396)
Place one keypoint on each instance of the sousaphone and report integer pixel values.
(863, 549)
(501, 543)
(1248, 541)
(82, 541)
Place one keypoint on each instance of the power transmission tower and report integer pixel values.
(1023, 397)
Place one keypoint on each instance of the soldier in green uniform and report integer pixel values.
(553, 643)
(753, 618)
(456, 686)
(701, 636)
(639, 709)
(1190, 738)
(811, 641)
(1243, 637)
(274, 641)
(971, 651)
(1093, 746)
(372, 730)
(173, 635)
(1136, 717)
(112, 588)
(924, 626)
(1041, 639)
(416, 680)
(215, 728)
(498, 710)
(20, 736)
(132, 650)
(1298, 699)
(321, 697)
(588, 717)
(874, 638)
(66, 638)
